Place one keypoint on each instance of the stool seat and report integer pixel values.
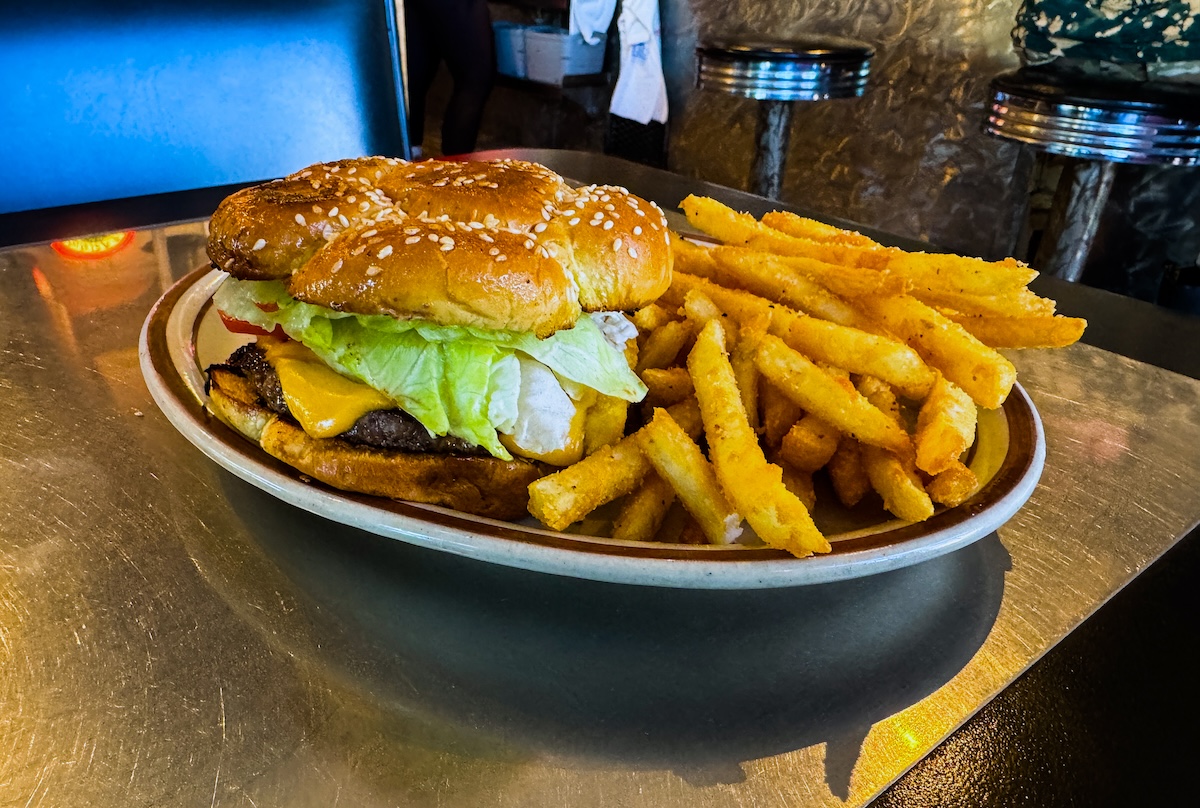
(800, 69)
(1112, 121)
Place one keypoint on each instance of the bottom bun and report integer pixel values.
(485, 486)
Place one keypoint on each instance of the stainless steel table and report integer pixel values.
(170, 635)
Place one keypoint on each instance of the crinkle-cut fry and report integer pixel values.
(832, 399)
(847, 473)
(1017, 302)
(855, 350)
(678, 460)
(803, 227)
(1021, 331)
(945, 426)
(893, 476)
(809, 444)
(643, 511)
(953, 486)
(844, 280)
(985, 375)
(559, 500)
(666, 386)
(754, 486)
(604, 422)
(665, 344)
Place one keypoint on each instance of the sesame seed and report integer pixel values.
(617, 244)
(258, 245)
(300, 220)
(369, 233)
(373, 270)
(574, 221)
(608, 225)
(637, 231)
(411, 231)
(336, 266)
(529, 244)
(641, 212)
(317, 210)
(342, 218)
(632, 252)
(569, 212)
(501, 258)
(494, 251)
(385, 252)
(539, 227)
(333, 211)
(433, 237)
(487, 238)
(412, 239)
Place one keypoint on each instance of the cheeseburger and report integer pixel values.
(435, 332)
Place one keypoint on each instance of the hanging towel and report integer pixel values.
(591, 18)
(641, 91)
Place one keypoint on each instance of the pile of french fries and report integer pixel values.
(791, 348)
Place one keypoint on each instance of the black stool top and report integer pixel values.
(1084, 116)
(799, 69)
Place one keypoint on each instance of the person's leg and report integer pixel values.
(422, 55)
(469, 50)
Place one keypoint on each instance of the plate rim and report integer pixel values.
(166, 352)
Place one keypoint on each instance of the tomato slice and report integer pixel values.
(237, 326)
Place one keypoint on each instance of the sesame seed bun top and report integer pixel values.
(498, 244)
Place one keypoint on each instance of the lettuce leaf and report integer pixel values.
(455, 380)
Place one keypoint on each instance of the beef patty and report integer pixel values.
(393, 429)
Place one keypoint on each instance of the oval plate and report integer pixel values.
(182, 335)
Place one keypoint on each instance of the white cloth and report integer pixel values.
(641, 91)
(591, 18)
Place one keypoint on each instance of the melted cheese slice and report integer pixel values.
(325, 402)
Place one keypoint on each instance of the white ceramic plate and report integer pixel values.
(183, 335)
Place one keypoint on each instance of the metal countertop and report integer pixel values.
(170, 635)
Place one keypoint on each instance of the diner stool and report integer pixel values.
(1099, 125)
(777, 74)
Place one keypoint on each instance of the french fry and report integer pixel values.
(953, 486)
(754, 486)
(643, 511)
(982, 372)
(664, 344)
(847, 473)
(779, 413)
(679, 461)
(853, 349)
(798, 482)
(802, 227)
(945, 427)
(834, 400)
(1021, 331)
(934, 272)
(666, 386)
(894, 476)
(1017, 302)
(650, 318)
(842, 280)
(563, 498)
(809, 444)
(604, 422)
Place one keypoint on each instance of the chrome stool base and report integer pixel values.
(778, 74)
